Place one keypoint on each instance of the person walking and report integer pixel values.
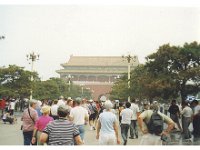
(12, 107)
(107, 126)
(187, 115)
(175, 113)
(61, 131)
(196, 119)
(126, 114)
(93, 114)
(29, 118)
(144, 118)
(54, 110)
(121, 107)
(2, 106)
(133, 126)
(79, 115)
(41, 124)
(61, 101)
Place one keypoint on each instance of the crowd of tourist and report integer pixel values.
(62, 121)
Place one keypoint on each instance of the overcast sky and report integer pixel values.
(58, 31)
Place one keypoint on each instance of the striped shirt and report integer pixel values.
(61, 132)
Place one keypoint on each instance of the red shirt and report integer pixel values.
(2, 104)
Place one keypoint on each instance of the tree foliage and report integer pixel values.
(168, 73)
(179, 66)
(15, 82)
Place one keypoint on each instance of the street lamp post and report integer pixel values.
(69, 81)
(32, 57)
(82, 89)
(129, 58)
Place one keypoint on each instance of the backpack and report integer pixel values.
(155, 124)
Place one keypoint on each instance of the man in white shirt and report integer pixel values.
(126, 114)
(187, 114)
(79, 115)
(133, 126)
(12, 107)
(54, 110)
(61, 101)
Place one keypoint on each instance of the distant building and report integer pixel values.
(95, 72)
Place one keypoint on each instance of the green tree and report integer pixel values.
(120, 89)
(15, 81)
(177, 66)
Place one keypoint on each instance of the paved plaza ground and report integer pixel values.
(12, 135)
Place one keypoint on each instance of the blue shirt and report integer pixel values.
(107, 120)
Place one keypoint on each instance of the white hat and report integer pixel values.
(90, 100)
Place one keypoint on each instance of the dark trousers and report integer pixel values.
(133, 129)
(196, 127)
(11, 112)
(124, 131)
(27, 137)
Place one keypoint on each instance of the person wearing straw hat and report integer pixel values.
(41, 123)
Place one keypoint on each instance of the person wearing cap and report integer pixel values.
(144, 117)
(29, 118)
(61, 131)
(107, 126)
(41, 124)
(79, 115)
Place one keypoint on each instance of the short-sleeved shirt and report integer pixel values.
(134, 107)
(54, 110)
(42, 122)
(126, 114)
(28, 123)
(146, 116)
(187, 111)
(2, 104)
(174, 109)
(79, 114)
(107, 120)
(12, 105)
(61, 132)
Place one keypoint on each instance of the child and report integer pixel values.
(7, 118)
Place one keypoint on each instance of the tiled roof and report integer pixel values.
(99, 61)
